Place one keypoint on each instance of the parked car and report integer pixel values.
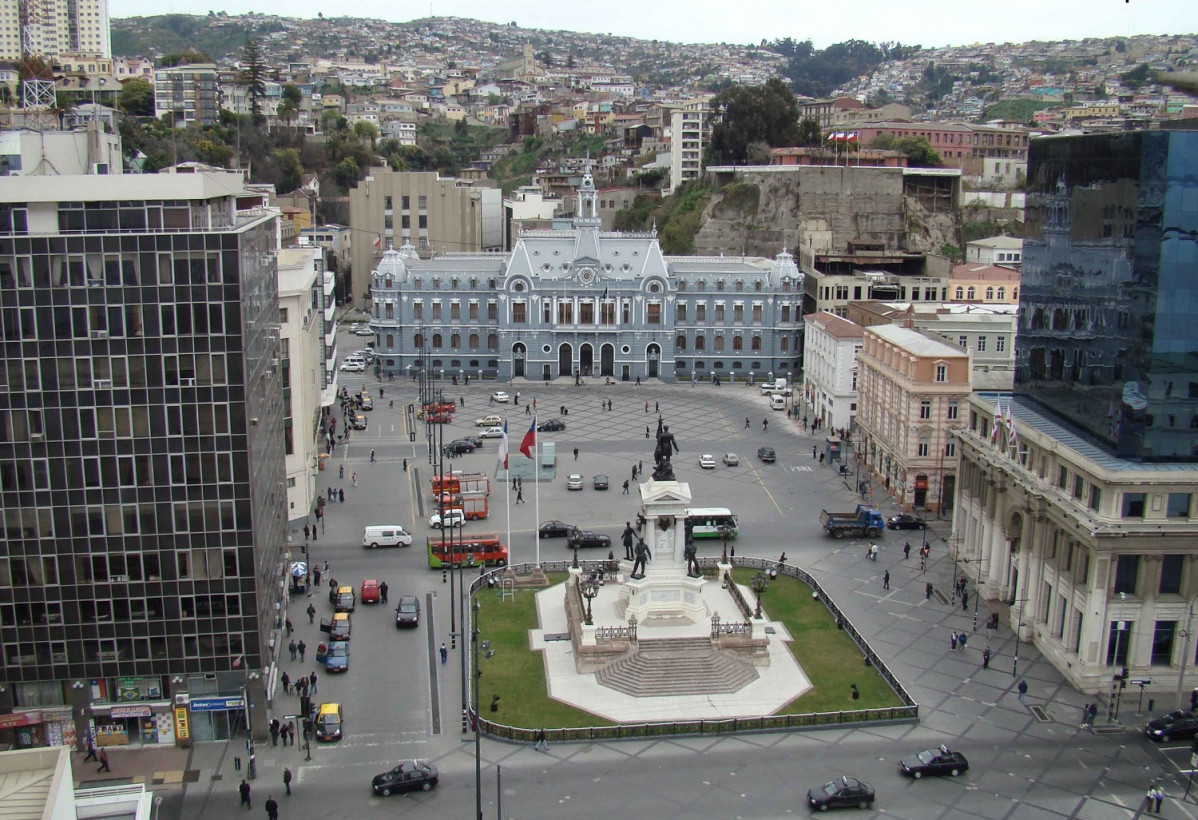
(407, 612)
(366, 403)
(370, 591)
(574, 482)
(500, 397)
(599, 482)
(707, 461)
(841, 792)
(329, 721)
(343, 599)
(554, 528)
(731, 460)
(411, 775)
(336, 657)
(934, 761)
(359, 422)
(488, 421)
(587, 538)
(551, 426)
(906, 521)
(1173, 725)
(353, 367)
(363, 330)
(767, 454)
(492, 432)
(453, 518)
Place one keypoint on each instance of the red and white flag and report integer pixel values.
(997, 422)
(1012, 435)
(503, 445)
(378, 240)
(851, 136)
(530, 439)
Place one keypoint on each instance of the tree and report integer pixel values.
(743, 115)
(189, 57)
(810, 135)
(137, 98)
(364, 130)
(917, 150)
(346, 173)
(253, 74)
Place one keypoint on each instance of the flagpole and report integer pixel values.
(507, 481)
(536, 488)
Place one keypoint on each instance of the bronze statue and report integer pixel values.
(666, 447)
(692, 559)
(642, 557)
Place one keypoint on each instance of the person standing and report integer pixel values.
(576, 454)
(312, 610)
(927, 591)
(765, 425)
(274, 732)
(354, 481)
(542, 744)
(383, 592)
(886, 580)
(952, 642)
(444, 655)
(964, 600)
(287, 780)
(244, 790)
(272, 808)
(906, 550)
(1150, 799)
(312, 682)
(1022, 690)
(287, 623)
(372, 456)
(986, 658)
(813, 452)
(656, 407)
(405, 465)
(300, 647)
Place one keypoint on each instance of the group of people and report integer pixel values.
(286, 731)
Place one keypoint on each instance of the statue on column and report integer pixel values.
(666, 447)
(692, 559)
(642, 557)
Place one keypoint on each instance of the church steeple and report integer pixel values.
(588, 201)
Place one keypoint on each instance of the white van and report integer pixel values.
(386, 535)
(777, 403)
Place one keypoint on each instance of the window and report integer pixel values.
(941, 373)
(989, 294)
(680, 311)
(1127, 570)
(963, 341)
(719, 311)
(1118, 643)
(1162, 643)
(1000, 344)
(1062, 477)
(1171, 567)
(738, 312)
(653, 314)
(981, 344)
(953, 410)
(455, 311)
(756, 344)
(436, 311)
(519, 313)
(922, 448)
(950, 449)
(960, 294)
(1095, 497)
(1179, 505)
(701, 312)
(757, 314)
(1133, 505)
(680, 343)
(925, 409)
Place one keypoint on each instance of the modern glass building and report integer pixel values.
(141, 457)
(1108, 339)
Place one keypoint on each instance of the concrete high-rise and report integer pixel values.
(51, 28)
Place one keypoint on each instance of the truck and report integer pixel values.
(463, 483)
(778, 387)
(865, 520)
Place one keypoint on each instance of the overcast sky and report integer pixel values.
(920, 22)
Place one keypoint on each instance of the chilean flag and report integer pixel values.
(530, 439)
(503, 445)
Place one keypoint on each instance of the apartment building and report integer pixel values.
(911, 394)
(51, 28)
(141, 456)
(997, 250)
(690, 130)
(190, 94)
(830, 349)
(988, 284)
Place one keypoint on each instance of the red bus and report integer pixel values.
(466, 549)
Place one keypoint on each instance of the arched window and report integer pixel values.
(700, 343)
(1002, 293)
(960, 293)
(740, 286)
(680, 343)
(418, 341)
(719, 286)
(785, 287)
(436, 340)
(416, 283)
(970, 294)
(388, 283)
(738, 343)
(757, 286)
(436, 283)
(785, 344)
(989, 294)
(681, 285)
(757, 343)
(702, 286)
(473, 283)
(719, 343)
(1015, 294)
(390, 340)
(453, 283)
(474, 341)
(491, 284)
(493, 341)
(455, 341)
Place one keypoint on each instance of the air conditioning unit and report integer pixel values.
(183, 699)
(99, 167)
(102, 384)
(37, 437)
(119, 579)
(99, 334)
(188, 382)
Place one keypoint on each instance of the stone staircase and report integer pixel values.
(676, 666)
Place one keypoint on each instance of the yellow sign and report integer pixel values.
(182, 728)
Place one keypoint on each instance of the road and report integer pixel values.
(1029, 760)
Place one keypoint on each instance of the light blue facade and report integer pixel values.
(584, 302)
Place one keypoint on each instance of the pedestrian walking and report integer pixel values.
(274, 731)
(646, 431)
(952, 641)
(886, 580)
(1022, 690)
(285, 732)
(353, 481)
(341, 492)
(287, 780)
(646, 407)
(986, 658)
(287, 623)
(906, 550)
(444, 655)
(1093, 712)
(285, 679)
(961, 639)
(519, 495)
(765, 425)
(927, 591)
(307, 531)
(293, 649)
(1085, 715)
(821, 458)
(383, 592)
(1150, 799)
(244, 790)
(542, 744)
(576, 454)
(873, 552)
(372, 456)
(746, 422)
(656, 407)
(341, 472)
(91, 751)
(104, 767)
(625, 486)
(312, 682)
(964, 600)
(272, 808)
(640, 468)
(405, 465)
(301, 646)
(312, 610)
(813, 451)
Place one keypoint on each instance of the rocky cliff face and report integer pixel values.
(820, 208)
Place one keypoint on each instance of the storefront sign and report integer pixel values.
(217, 704)
(20, 719)
(182, 727)
(131, 711)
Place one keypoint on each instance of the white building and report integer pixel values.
(307, 338)
(403, 131)
(987, 332)
(60, 153)
(830, 348)
(1006, 251)
(690, 127)
(54, 27)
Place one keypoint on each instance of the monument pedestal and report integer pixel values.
(665, 591)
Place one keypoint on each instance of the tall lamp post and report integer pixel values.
(589, 590)
(1185, 651)
(1118, 678)
(760, 582)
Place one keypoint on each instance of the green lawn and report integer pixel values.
(517, 674)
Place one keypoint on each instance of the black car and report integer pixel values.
(934, 761)
(841, 792)
(475, 440)
(906, 522)
(600, 482)
(555, 529)
(461, 445)
(409, 776)
(407, 612)
(1173, 725)
(767, 454)
(551, 426)
(586, 538)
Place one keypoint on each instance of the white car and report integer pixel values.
(353, 367)
(707, 461)
(500, 397)
(453, 518)
(363, 330)
(488, 421)
(492, 432)
(574, 482)
(731, 459)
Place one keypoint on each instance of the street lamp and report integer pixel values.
(1118, 679)
(759, 583)
(589, 590)
(1185, 651)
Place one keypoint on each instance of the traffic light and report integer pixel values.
(444, 575)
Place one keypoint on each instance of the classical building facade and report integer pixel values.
(586, 302)
(830, 349)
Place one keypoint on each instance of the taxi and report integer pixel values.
(329, 722)
(344, 599)
(338, 628)
(370, 591)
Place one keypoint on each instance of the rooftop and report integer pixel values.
(984, 273)
(1001, 243)
(916, 343)
(126, 187)
(835, 325)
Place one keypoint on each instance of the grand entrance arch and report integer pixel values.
(586, 359)
(607, 360)
(519, 354)
(653, 354)
(565, 359)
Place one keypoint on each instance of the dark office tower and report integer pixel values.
(1108, 317)
(141, 457)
